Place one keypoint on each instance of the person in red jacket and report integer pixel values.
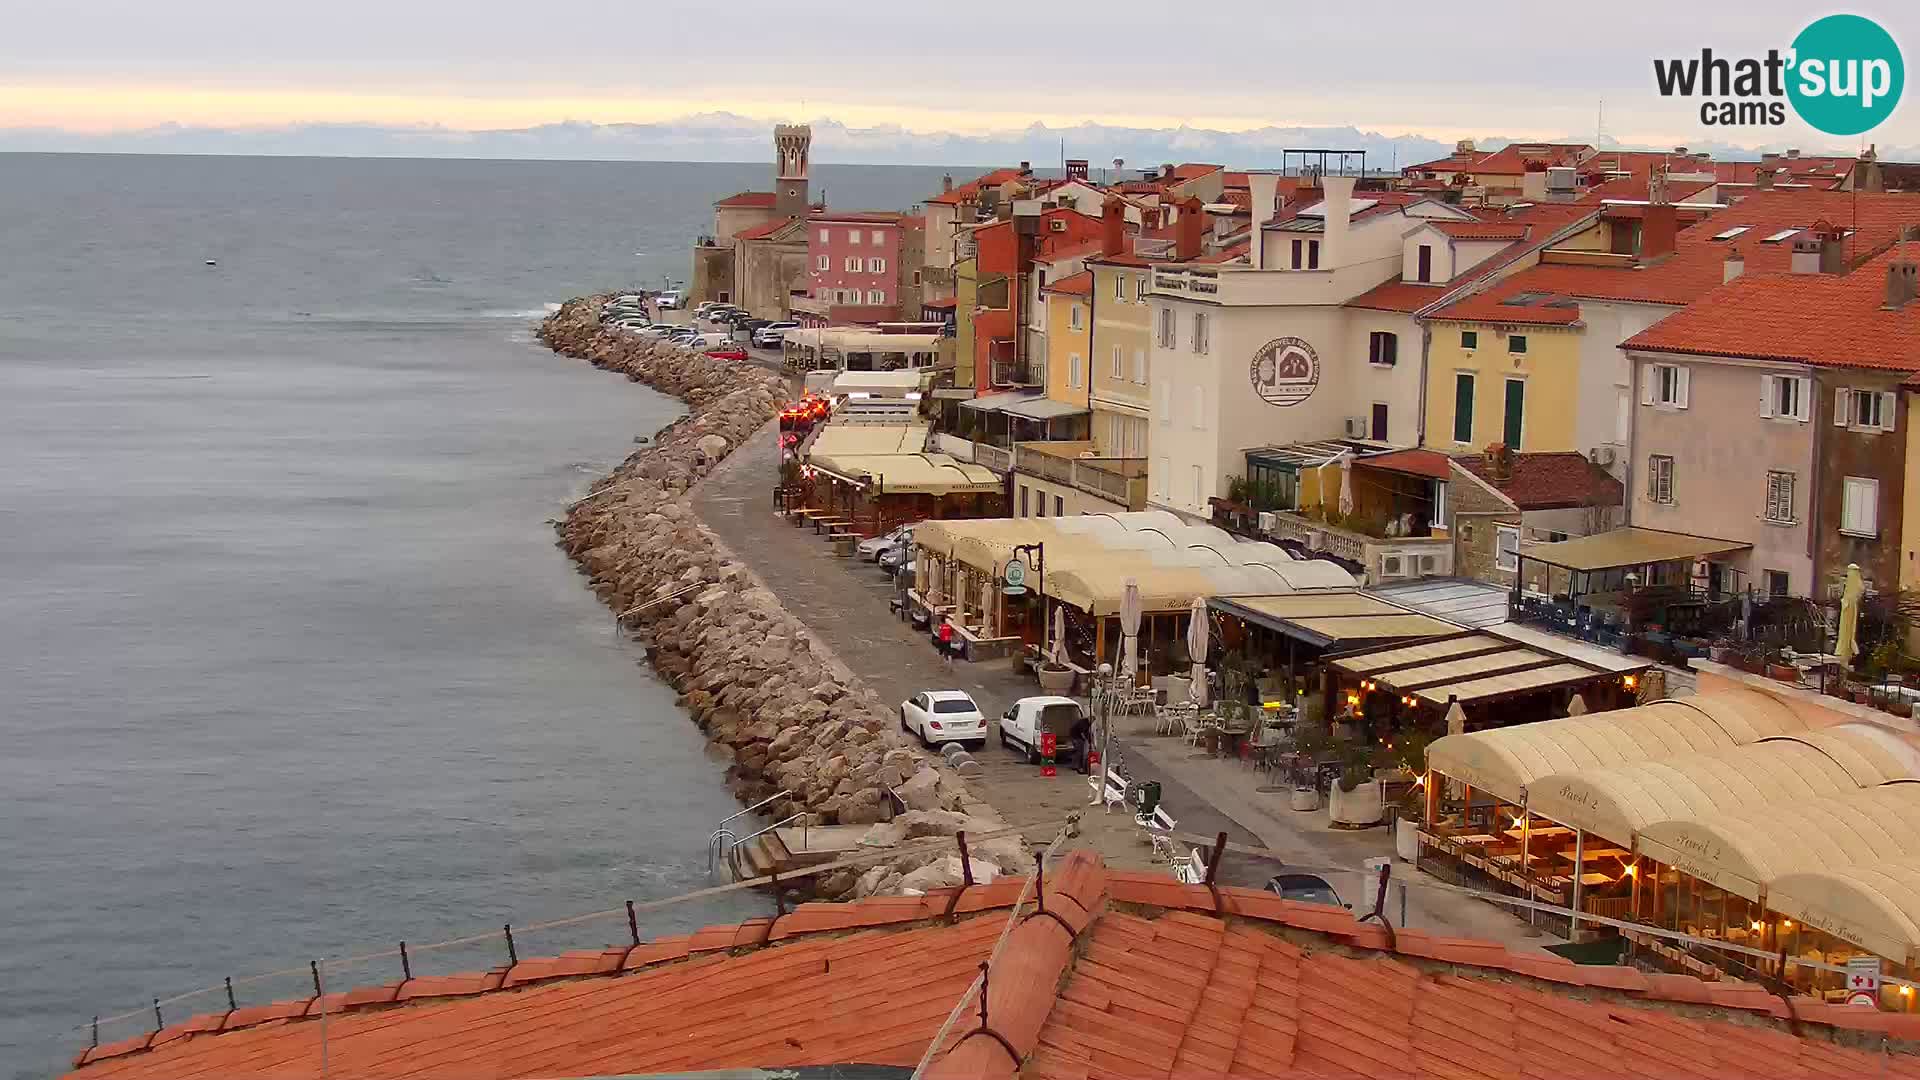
(946, 640)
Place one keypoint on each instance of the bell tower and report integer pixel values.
(791, 144)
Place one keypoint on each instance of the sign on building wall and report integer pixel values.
(1285, 371)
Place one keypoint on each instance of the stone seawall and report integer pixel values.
(782, 711)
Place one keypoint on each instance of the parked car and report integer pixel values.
(1027, 719)
(700, 310)
(671, 299)
(728, 352)
(894, 558)
(746, 328)
(773, 334)
(1306, 888)
(942, 716)
(870, 548)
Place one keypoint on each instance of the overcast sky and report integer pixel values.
(1535, 69)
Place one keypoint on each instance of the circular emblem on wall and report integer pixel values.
(1285, 371)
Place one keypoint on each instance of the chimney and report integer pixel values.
(1806, 253)
(1533, 184)
(1166, 172)
(1769, 158)
(1026, 168)
(1833, 251)
(1113, 227)
(1867, 176)
(1499, 462)
(1150, 219)
(1662, 222)
(1337, 205)
(1735, 265)
(1261, 188)
(1793, 153)
(1188, 230)
(946, 184)
(1763, 179)
(1903, 280)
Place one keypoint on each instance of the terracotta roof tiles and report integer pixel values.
(1145, 980)
(748, 198)
(971, 189)
(1550, 480)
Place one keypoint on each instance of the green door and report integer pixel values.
(1516, 408)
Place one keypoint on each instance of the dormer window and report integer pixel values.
(1425, 260)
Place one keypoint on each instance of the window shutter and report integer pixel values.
(1803, 399)
(1649, 378)
(1766, 395)
(1840, 408)
(1680, 387)
(1653, 479)
(1887, 405)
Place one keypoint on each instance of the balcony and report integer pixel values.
(1012, 372)
(1118, 480)
(1383, 559)
(993, 457)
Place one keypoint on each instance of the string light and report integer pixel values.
(1756, 925)
(1628, 681)
(1906, 991)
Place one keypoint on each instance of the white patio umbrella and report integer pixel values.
(1130, 631)
(1346, 486)
(1059, 650)
(1197, 649)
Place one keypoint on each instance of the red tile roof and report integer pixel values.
(761, 232)
(1233, 180)
(1512, 160)
(1550, 481)
(1635, 187)
(748, 198)
(1508, 302)
(1824, 319)
(1227, 254)
(869, 217)
(1483, 230)
(1127, 975)
(1429, 463)
(1080, 284)
(1398, 295)
(971, 189)
(1193, 170)
(1534, 233)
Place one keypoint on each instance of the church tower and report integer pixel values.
(791, 143)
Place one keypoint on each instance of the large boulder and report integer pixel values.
(921, 791)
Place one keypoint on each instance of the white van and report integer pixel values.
(1025, 720)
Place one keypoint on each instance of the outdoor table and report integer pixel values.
(1474, 838)
(1594, 854)
(1591, 880)
(1541, 832)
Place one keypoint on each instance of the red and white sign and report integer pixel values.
(1863, 981)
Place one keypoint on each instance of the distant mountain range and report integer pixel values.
(729, 137)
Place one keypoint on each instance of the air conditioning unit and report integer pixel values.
(1428, 565)
(1057, 225)
(1601, 456)
(1356, 427)
(1267, 519)
(1393, 566)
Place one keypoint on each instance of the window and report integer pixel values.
(1515, 413)
(1200, 333)
(1023, 501)
(1074, 317)
(1517, 344)
(1439, 519)
(1786, 397)
(821, 263)
(1140, 366)
(876, 266)
(1379, 421)
(1041, 504)
(1506, 547)
(1163, 403)
(1426, 263)
(1469, 339)
(1383, 348)
(1860, 513)
(1313, 254)
(1166, 328)
(1660, 478)
(852, 264)
(916, 277)
(1780, 497)
(1296, 255)
(1777, 582)
(1120, 287)
(1199, 408)
(1140, 289)
(1664, 385)
(853, 236)
(1119, 362)
(1074, 378)
(876, 296)
(824, 237)
(1863, 410)
(1059, 507)
(1463, 407)
(877, 237)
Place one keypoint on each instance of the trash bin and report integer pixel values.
(1149, 798)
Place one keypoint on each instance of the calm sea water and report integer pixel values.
(289, 665)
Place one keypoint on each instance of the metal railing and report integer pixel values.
(993, 457)
(717, 843)
(733, 853)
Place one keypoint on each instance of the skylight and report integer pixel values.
(1783, 234)
(1522, 299)
(1731, 233)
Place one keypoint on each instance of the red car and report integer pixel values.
(728, 352)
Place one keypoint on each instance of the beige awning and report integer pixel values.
(1744, 851)
(1619, 802)
(1324, 618)
(1627, 547)
(1505, 762)
(1873, 905)
(1471, 666)
(909, 474)
(835, 440)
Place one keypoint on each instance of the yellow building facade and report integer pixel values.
(1489, 383)
(1122, 395)
(1069, 320)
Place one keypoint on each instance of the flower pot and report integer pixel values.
(1359, 807)
(1406, 840)
(1785, 673)
(1860, 697)
(1900, 707)
(1305, 799)
(1055, 679)
(1719, 653)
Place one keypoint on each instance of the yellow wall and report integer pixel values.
(1550, 366)
(1910, 517)
(966, 298)
(1063, 344)
(1128, 324)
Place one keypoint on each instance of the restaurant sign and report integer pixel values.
(1285, 371)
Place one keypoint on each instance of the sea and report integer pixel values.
(290, 667)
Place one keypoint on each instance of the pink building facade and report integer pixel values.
(853, 260)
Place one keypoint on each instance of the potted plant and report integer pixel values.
(1722, 650)
(1354, 800)
(1779, 669)
(1055, 677)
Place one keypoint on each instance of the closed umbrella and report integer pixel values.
(1197, 649)
(1346, 487)
(1847, 647)
(1059, 651)
(1130, 630)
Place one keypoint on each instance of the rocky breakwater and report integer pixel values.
(787, 717)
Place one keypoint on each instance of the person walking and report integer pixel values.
(946, 640)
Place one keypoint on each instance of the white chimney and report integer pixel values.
(1261, 187)
(1337, 205)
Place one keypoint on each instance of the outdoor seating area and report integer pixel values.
(865, 479)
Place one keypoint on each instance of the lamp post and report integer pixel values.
(1104, 678)
(1039, 551)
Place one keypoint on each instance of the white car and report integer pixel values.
(1025, 720)
(672, 298)
(870, 548)
(938, 716)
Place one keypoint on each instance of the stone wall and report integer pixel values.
(780, 709)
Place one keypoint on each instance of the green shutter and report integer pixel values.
(1463, 408)
(1516, 408)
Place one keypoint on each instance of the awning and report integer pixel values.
(1325, 618)
(998, 402)
(1621, 801)
(1430, 464)
(1507, 761)
(1874, 905)
(885, 383)
(837, 440)
(1627, 547)
(1044, 408)
(909, 474)
(1470, 666)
